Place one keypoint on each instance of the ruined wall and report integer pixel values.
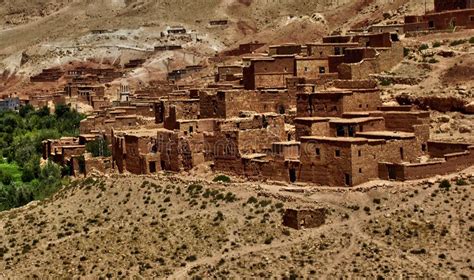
(305, 218)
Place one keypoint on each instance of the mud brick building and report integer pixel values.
(287, 49)
(48, 75)
(269, 72)
(229, 73)
(136, 151)
(244, 49)
(333, 103)
(448, 14)
(450, 5)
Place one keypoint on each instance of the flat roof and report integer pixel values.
(312, 119)
(287, 143)
(253, 156)
(354, 120)
(336, 139)
(386, 134)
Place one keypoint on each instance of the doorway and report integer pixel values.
(292, 175)
(152, 167)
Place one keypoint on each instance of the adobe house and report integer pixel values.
(324, 50)
(447, 15)
(287, 49)
(304, 218)
(230, 103)
(311, 67)
(445, 158)
(229, 73)
(450, 5)
(333, 103)
(269, 72)
(136, 151)
(246, 48)
(182, 108)
(47, 75)
(239, 138)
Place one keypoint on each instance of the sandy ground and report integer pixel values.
(175, 227)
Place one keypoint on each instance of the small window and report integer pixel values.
(360, 153)
(322, 70)
(191, 129)
(471, 18)
(338, 153)
(402, 154)
(306, 69)
(318, 152)
(423, 147)
(360, 170)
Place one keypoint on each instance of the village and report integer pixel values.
(294, 113)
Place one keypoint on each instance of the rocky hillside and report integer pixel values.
(157, 227)
(41, 28)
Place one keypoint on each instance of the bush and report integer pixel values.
(6, 178)
(433, 60)
(406, 51)
(457, 42)
(436, 44)
(445, 184)
(222, 178)
(423, 47)
(471, 41)
(269, 240)
(385, 82)
(461, 182)
(192, 258)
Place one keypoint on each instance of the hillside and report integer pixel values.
(43, 29)
(133, 226)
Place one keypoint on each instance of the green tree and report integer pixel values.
(98, 148)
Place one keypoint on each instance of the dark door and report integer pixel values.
(347, 179)
(152, 167)
(292, 175)
(392, 173)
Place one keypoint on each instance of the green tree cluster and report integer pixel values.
(21, 136)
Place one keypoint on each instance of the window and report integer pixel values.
(423, 147)
(360, 170)
(338, 153)
(318, 152)
(337, 51)
(471, 18)
(306, 69)
(340, 131)
(402, 155)
(191, 129)
(360, 153)
(322, 70)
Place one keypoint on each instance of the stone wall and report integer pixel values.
(304, 218)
